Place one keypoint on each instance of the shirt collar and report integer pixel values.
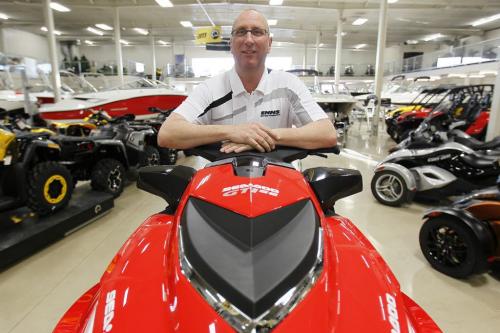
(237, 85)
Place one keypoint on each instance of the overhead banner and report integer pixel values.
(208, 35)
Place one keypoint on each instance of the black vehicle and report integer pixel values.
(30, 174)
(463, 239)
(432, 174)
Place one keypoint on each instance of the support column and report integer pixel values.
(494, 122)
(379, 67)
(304, 61)
(55, 78)
(338, 49)
(153, 54)
(316, 56)
(118, 45)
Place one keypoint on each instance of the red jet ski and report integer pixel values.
(247, 244)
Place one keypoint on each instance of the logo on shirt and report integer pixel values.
(271, 113)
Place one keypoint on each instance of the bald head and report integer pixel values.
(252, 14)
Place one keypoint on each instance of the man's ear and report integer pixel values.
(270, 42)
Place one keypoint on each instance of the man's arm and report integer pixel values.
(317, 134)
(177, 132)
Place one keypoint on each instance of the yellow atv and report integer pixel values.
(30, 174)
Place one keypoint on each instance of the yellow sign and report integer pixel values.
(208, 35)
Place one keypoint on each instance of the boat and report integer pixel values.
(135, 97)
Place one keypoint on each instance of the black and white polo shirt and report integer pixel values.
(280, 101)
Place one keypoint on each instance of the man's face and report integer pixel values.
(250, 49)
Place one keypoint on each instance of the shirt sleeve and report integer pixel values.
(303, 106)
(195, 104)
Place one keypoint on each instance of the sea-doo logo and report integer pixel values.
(252, 188)
(439, 158)
(393, 313)
(109, 311)
(270, 113)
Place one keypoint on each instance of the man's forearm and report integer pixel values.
(318, 134)
(184, 135)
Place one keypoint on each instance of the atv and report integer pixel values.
(30, 174)
(247, 244)
(463, 239)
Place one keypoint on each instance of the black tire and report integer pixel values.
(451, 247)
(108, 175)
(389, 188)
(149, 157)
(50, 187)
(168, 156)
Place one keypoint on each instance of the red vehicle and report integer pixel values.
(247, 244)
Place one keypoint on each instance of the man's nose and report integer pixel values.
(249, 37)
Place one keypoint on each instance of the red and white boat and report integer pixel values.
(131, 98)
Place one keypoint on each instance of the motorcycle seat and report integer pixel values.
(479, 161)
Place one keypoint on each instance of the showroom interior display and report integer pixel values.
(396, 229)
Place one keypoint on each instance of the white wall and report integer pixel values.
(26, 44)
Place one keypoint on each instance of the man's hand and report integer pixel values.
(231, 147)
(255, 135)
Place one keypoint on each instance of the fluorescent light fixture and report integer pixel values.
(476, 76)
(486, 72)
(343, 34)
(186, 24)
(89, 42)
(275, 2)
(141, 31)
(272, 22)
(104, 26)
(95, 31)
(321, 44)
(360, 21)
(56, 32)
(162, 42)
(392, 1)
(3, 16)
(124, 42)
(432, 37)
(461, 76)
(412, 41)
(164, 3)
(59, 7)
(359, 46)
(485, 20)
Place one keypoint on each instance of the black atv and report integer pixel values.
(30, 174)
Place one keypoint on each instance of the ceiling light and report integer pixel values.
(186, 24)
(59, 7)
(89, 42)
(162, 42)
(360, 21)
(432, 37)
(124, 42)
(103, 26)
(476, 76)
(95, 31)
(485, 20)
(275, 2)
(3, 16)
(461, 76)
(141, 31)
(392, 1)
(359, 46)
(164, 3)
(56, 32)
(343, 34)
(321, 44)
(411, 42)
(272, 22)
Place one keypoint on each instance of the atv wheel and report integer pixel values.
(168, 156)
(151, 156)
(451, 247)
(50, 187)
(389, 188)
(108, 175)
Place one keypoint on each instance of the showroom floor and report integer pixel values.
(35, 292)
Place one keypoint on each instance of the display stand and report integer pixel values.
(33, 233)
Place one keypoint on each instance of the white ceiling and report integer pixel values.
(298, 21)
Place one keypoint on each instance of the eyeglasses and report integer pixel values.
(256, 32)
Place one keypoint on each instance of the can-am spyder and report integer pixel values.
(432, 174)
(247, 244)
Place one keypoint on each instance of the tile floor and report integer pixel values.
(35, 292)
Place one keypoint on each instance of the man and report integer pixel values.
(249, 107)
